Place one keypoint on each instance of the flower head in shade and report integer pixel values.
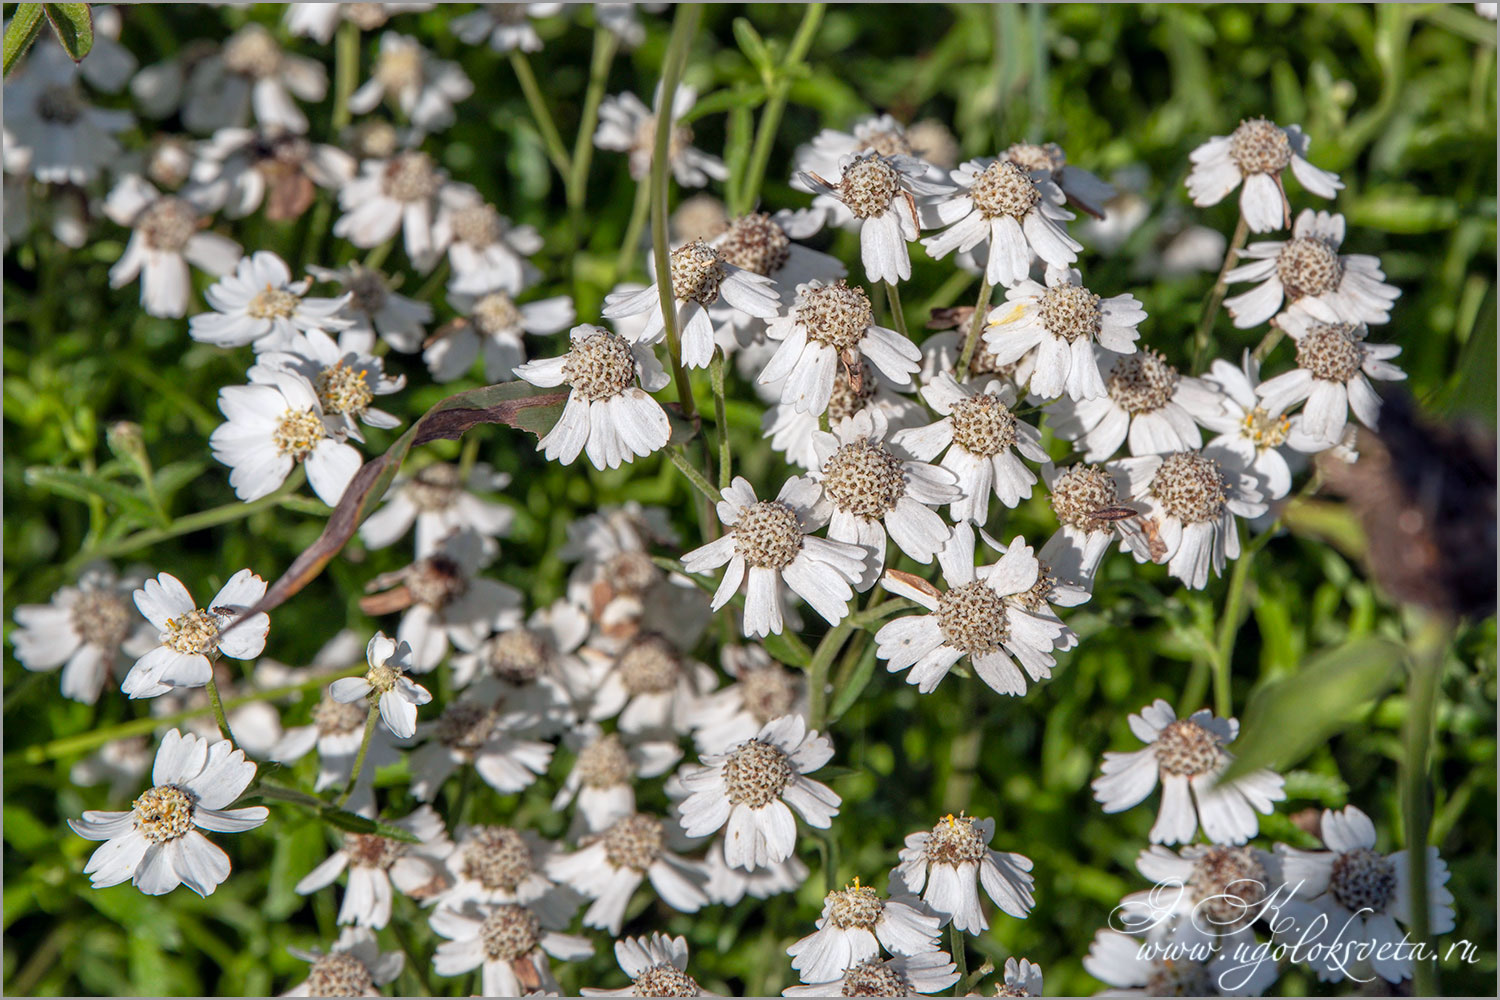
(626, 125)
(396, 194)
(409, 77)
(69, 141)
(1204, 896)
(902, 976)
(239, 169)
(881, 192)
(190, 635)
(89, 630)
(1147, 403)
(762, 690)
(260, 304)
(155, 845)
(509, 942)
(728, 885)
(1087, 500)
(336, 730)
(486, 251)
(501, 864)
(473, 732)
(439, 501)
(747, 791)
(609, 866)
(1251, 428)
(1123, 962)
(609, 415)
(657, 967)
(376, 864)
(251, 74)
(167, 234)
(1009, 213)
(881, 134)
(1062, 323)
(952, 861)
(374, 310)
(1350, 897)
(347, 381)
(355, 966)
(1256, 153)
(770, 542)
(1334, 368)
(858, 387)
(530, 663)
(506, 26)
(855, 924)
(1187, 756)
(1308, 271)
(1081, 188)
(605, 770)
(398, 696)
(651, 686)
(763, 244)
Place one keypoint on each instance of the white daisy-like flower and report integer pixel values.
(747, 791)
(1081, 188)
(1022, 979)
(1087, 500)
(871, 490)
(155, 845)
(423, 87)
(238, 169)
(47, 114)
(373, 309)
(318, 20)
(603, 776)
(657, 967)
(762, 244)
(398, 695)
(272, 425)
(251, 73)
(828, 149)
(1006, 214)
(506, 26)
(1187, 756)
(1191, 499)
(1350, 897)
(1308, 271)
(762, 690)
(701, 275)
(1256, 153)
(1135, 968)
(770, 542)
(475, 732)
(952, 861)
(1255, 432)
(881, 192)
(829, 326)
(260, 304)
(855, 924)
(1334, 368)
(346, 381)
(1146, 403)
(1062, 322)
(500, 864)
(650, 685)
(440, 502)
(972, 618)
(167, 234)
(377, 864)
(509, 944)
(531, 663)
(189, 635)
(941, 353)
(626, 125)
(1203, 896)
(608, 867)
(902, 976)
(790, 430)
(981, 436)
(88, 630)
(728, 885)
(398, 193)
(620, 20)
(486, 251)
(608, 416)
(618, 585)
(492, 324)
(355, 966)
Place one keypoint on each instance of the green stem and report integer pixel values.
(898, 316)
(218, 705)
(345, 73)
(1229, 627)
(958, 947)
(884, 609)
(605, 45)
(770, 116)
(1268, 343)
(716, 378)
(976, 325)
(626, 257)
(817, 672)
(1216, 296)
(1428, 647)
(678, 454)
(556, 152)
(377, 255)
(364, 748)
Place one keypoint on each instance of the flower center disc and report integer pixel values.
(599, 366)
(757, 773)
(1260, 147)
(768, 535)
(1190, 487)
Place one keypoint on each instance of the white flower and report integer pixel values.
(1349, 898)
(607, 416)
(374, 309)
(272, 425)
(440, 503)
(347, 381)
(769, 542)
(1081, 188)
(85, 629)
(854, 925)
(399, 193)
(608, 867)
(251, 73)
(167, 235)
(656, 966)
(952, 861)
(1187, 755)
(626, 125)
(318, 20)
(728, 885)
(1087, 502)
(486, 251)
(972, 618)
(871, 489)
(602, 779)
(1124, 962)
(929, 972)
(651, 686)
(1252, 430)
(620, 20)
(1191, 500)
(509, 942)
(1257, 152)
(189, 635)
(881, 192)
(1334, 368)
(506, 26)
(1010, 214)
(762, 690)
(355, 965)
(1062, 322)
(747, 791)
(1146, 402)
(530, 664)
(492, 324)
(878, 134)
(47, 115)
(499, 864)
(1203, 897)
(1309, 272)
(422, 86)
(981, 436)
(386, 679)
(791, 430)
(376, 864)
(1022, 979)
(260, 304)
(239, 168)
(829, 326)
(155, 845)
(700, 276)
(474, 732)
(762, 244)
(337, 730)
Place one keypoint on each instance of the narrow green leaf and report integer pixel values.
(754, 47)
(73, 23)
(81, 486)
(24, 26)
(725, 100)
(789, 649)
(845, 697)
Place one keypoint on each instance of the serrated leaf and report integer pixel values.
(25, 25)
(78, 485)
(73, 24)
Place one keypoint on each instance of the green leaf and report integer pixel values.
(24, 26)
(725, 100)
(1286, 719)
(333, 815)
(789, 649)
(73, 24)
(754, 47)
(845, 697)
(82, 486)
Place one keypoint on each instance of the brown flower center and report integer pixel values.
(768, 535)
(1332, 352)
(168, 224)
(339, 974)
(369, 850)
(697, 270)
(101, 619)
(435, 488)
(298, 434)
(756, 773)
(868, 186)
(496, 313)
(478, 225)
(666, 981)
(1227, 885)
(983, 425)
(519, 655)
(252, 52)
(1190, 487)
(864, 479)
(409, 177)
(1080, 492)
(1308, 266)
(163, 813)
(1260, 147)
(1142, 382)
(497, 857)
(604, 763)
(634, 842)
(859, 906)
(1004, 189)
(343, 390)
(873, 978)
(1363, 880)
(510, 932)
(836, 315)
(599, 366)
(196, 632)
(972, 618)
(1070, 312)
(756, 243)
(649, 665)
(1187, 749)
(768, 693)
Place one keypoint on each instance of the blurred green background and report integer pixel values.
(1399, 99)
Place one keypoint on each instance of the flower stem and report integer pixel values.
(626, 257)
(971, 342)
(716, 378)
(1216, 296)
(1229, 626)
(817, 672)
(898, 316)
(1268, 342)
(218, 705)
(364, 748)
(1428, 647)
(956, 944)
(678, 454)
(345, 72)
(556, 152)
(770, 116)
(605, 45)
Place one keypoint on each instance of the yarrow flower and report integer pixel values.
(1081, 188)
(190, 635)
(508, 942)
(251, 74)
(902, 976)
(260, 304)
(657, 967)
(376, 864)
(1127, 963)
(626, 125)
(1256, 153)
(386, 680)
(69, 141)
(167, 234)
(609, 866)
(506, 27)
(440, 503)
(1253, 429)
(1015, 213)
(155, 845)
(238, 169)
(475, 733)
(407, 76)
(346, 381)
(1087, 502)
(1147, 403)
(85, 629)
(355, 966)
(395, 194)
(855, 924)
(375, 310)
(488, 253)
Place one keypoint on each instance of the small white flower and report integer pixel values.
(619, 19)
(728, 885)
(68, 140)
(1087, 502)
(377, 864)
(1256, 153)
(762, 690)
(855, 924)
(167, 236)
(390, 195)
(881, 192)
(1123, 961)
(492, 324)
(318, 20)
(762, 244)
(656, 966)
(440, 503)
(239, 168)
(409, 77)
(770, 542)
(1187, 756)
(474, 732)
(155, 845)
(626, 125)
(531, 663)
(509, 942)
(929, 972)
(189, 635)
(85, 629)
(1081, 188)
(1204, 897)
(499, 864)
(346, 381)
(260, 304)
(1022, 979)
(337, 730)
(608, 416)
(791, 430)
(506, 26)
(876, 134)
(747, 791)
(651, 686)
(602, 780)
(355, 966)
(952, 861)
(386, 679)
(1010, 214)
(251, 73)
(1147, 402)
(486, 251)
(374, 309)
(1251, 429)
(1309, 272)
(608, 867)
(122, 763)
